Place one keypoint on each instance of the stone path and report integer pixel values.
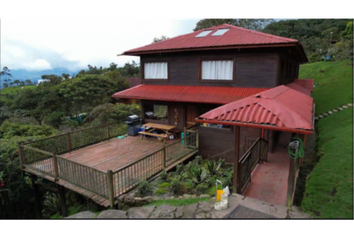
(240, 207)
(335, 110)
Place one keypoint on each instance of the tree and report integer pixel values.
(130, 69)
(112, 66)
(28, 82)
(83, 93)
(17, 82)
(6, 74)
(65, 76)
(38, 102)
(53, 79)
(158, 39)
(6, 85)
(253, 24)
(22, 83)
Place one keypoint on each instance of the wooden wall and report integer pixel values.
(250, 68)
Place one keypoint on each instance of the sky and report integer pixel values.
(42, 44)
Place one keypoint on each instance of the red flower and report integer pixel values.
(2, 183)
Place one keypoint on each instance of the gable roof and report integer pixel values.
(198, 94)
(234, 37)
(280, 108)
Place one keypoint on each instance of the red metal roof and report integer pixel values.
(235, 36)
(299, 88)
(199, 94)
(280, 108)
(306, 83)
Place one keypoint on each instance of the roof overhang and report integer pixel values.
(281, 108)
(196, 94)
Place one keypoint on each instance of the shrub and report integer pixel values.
(144, 189)
(176, 185)
(163, 175)
(202, 188)
(164, 185)
(187, 186)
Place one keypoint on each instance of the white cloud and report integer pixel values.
(75, 43)
(37, 65)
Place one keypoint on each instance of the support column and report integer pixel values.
(37, 198)
(236, 158)
(61, 190)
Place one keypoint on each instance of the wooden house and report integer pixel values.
(191, 74)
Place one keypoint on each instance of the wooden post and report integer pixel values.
(61, 190)
(185, 137)
(260, 150)
(262, 136)
(164, 156)
(197, 139)
(110, 188)
(37, 198)
(236, 158)
(20, 152)
(108, 130)
(69, 141)
(56, 172)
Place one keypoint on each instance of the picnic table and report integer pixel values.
(155, 126)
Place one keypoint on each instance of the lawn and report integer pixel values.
(12, 92)
(329, 188)
(333, 83)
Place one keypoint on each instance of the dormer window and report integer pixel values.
(204, 33)
(220, 32)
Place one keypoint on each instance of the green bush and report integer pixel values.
(202, 188)
(164, 185)
(144, 189)
(9, 130)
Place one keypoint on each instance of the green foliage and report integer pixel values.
(51, 205)
(213, 166)
(122, 111)
(163, 175)
(315, 36)
(144, 188)
(9, 130)
(197, 174)
(202, 188)
(176, 184)
(254, 24)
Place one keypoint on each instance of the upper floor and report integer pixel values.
(236, 57)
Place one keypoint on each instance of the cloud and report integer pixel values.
(38, 65)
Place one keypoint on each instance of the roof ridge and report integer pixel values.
(258, 32)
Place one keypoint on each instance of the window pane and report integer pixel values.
(157, 70)
(204, 33)
(160, 112)
(217, 70)
(220, 32)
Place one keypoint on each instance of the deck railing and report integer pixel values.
(228, 156)
(69, 141)
(108, 185)
(257, 152)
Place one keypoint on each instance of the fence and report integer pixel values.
(257, 152)
(108, 185)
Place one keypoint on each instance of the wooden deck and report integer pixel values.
(115, 153)
(111, 167)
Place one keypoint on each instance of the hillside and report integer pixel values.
(329, 188)
(8, 94)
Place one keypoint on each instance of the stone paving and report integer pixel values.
(335, 110)
(240, 207)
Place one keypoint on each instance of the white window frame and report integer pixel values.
(217, 70)
(156, 70)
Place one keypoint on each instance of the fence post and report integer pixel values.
(110, 188)
(108, 130)
(185, 137)
(164, 156)
(197, 139)
(20, 153)
(55, 162)
(68, 138)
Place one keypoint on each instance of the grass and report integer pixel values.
(176, 202)
(333, 83)
(329, 188)
(13, 91)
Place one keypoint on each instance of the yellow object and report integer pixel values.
(218, 195)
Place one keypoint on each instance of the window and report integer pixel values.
(217, 70)
(156, 70)
(220, 32)
(204, 33)
(156, 112)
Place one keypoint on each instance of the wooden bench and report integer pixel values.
(165, 136)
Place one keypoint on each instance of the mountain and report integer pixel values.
(23, 74)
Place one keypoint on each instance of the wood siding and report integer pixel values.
(251, 69)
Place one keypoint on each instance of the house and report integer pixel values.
(194, 80)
